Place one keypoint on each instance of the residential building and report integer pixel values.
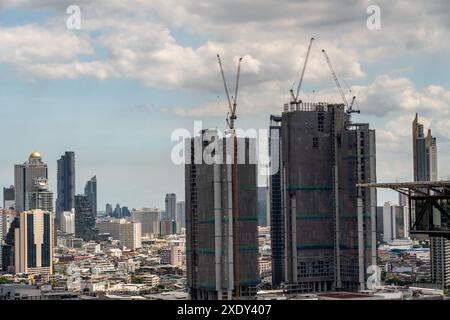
(127, 232)
(221, 239)
(329, 223)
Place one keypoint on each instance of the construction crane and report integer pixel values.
(295, 97)
(232, 101)
(231, 117)
(338, 85)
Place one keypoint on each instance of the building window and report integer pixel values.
(315, 142)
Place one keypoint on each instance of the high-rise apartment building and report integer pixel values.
(328, 223)
(65, 200)
(33, 243)
(91, 191)
(25, 176)
(84, 218)
(395, 222)
(170, 207)
(425, 169)
(221, 234)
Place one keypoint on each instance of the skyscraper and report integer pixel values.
(170, 207)
(91, 191)
(117, 212)
(181, 216)
(108, 210)
(39, 197)
(425, 169)
(329, 224)
(424, 153)
(221, 238)
(33, 243)
(25, 176)
(8, 198)
(84, 218)
(65, 200)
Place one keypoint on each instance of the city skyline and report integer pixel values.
(128, 114)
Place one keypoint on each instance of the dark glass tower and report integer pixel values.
(65, 184)
(84, 219)
(91, 191)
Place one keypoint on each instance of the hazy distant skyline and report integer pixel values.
(114, 91)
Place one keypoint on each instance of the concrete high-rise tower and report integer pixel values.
(221, 239)
(25, 176)
(323, 226)
(65, 200)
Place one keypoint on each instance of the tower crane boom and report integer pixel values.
(335, 78)
(303, 70)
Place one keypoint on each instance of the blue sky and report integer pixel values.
(114, 91)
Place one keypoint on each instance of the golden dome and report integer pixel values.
(35, 154)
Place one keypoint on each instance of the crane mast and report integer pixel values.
(231, 117)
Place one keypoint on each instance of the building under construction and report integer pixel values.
(323, 226)
(221, 240)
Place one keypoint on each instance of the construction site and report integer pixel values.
(325, 234)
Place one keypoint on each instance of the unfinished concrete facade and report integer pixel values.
(221, 252)
(329, 223)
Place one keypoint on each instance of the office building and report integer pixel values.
(125, 212)
(1, 239)
(39, 197)
(33, 243)
(84, 218)
(68, 222)
(425, 169)
(117, 213)
(25, 176)
(263, 207)
(329, 224)
(221, 239)
(149, 220)
(90, 190)
(170, 207)
(65, 175)
(8, 198)
(108, 210)
(181, 216)
(127, 232)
